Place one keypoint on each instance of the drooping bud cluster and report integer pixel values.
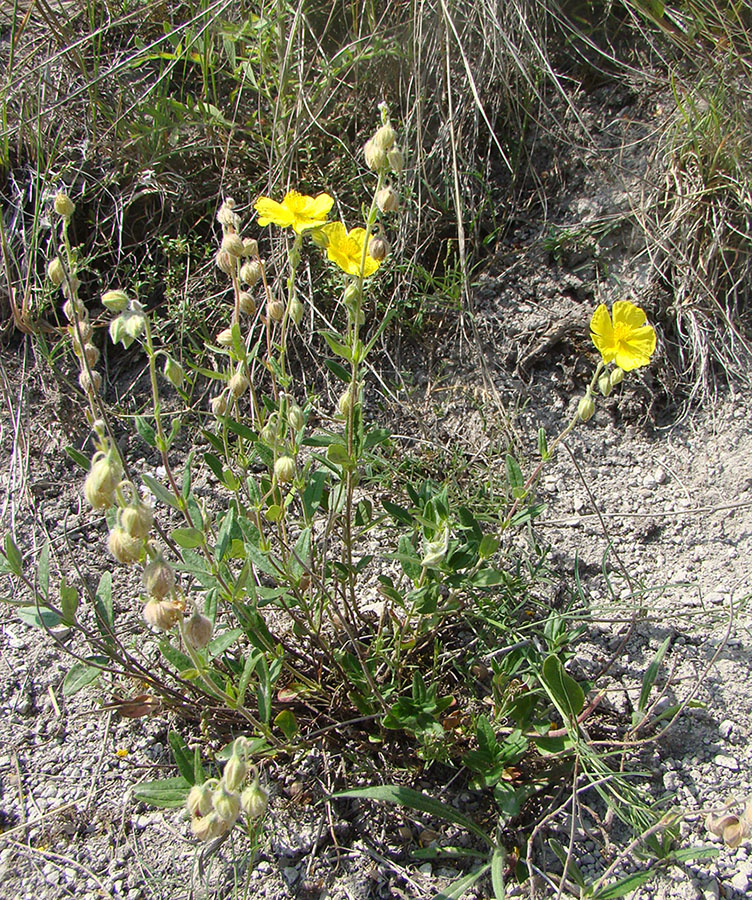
(128, 537)
(164, 605)
(216, 805)
(103, 478)
(381, 151)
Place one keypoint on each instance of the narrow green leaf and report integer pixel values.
(224, 534)
(43, 570)
(221, 642)
(80, 674)
(179, 660)
(338, 456)
(514, 475)
(488, 546)
(398, 513)
(13, 555)
(301, 553)
(264, 690)
(39, 618)
(339, 370)
(215, 464)
(242, 430)
(183, 757)
(166, 793)
(337, 346)
(79, 458)
(498, 858)
(573, 870)
(187, 538)
(404, 796)
(287, 723)
(146, 431)
(651, 674)
(686, 854)
(103, 604)
(563, 689)
(457, 889)
(624, 886)
(160, 491)
(69, 600)
(542, 444)
(248, 669)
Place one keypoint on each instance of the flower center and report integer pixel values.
(622, 333)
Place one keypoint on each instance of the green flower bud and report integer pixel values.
(275, 310)
(617, 376)
(284, 469)
(123, 547)
(604, 384)
(296, 310)
(198, 630)
(224, 338)
(396, 160)
(387, 200)
(254, 800)
(586, 408)
(158, 578)
(128, 326)
(163, 614)
(250, 272)
(90, 382)
(233, 245)
(375, 156)
(219, 406)
(384, 137)
(64, 206)
(238, 385)
(73, 310)
(344, 404)
(226, 804)
(225, 261)
(295, 417)
(235, 771)
(56, 271)
(246, 303)
(136, 519)
(206, 828)
(115, 301)
(199, 799)
(250, 247)
(92, 354)
(173, 372)
(103, 478)
(226, 216)
(70, 286)
(352, 296)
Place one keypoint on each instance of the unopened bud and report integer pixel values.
(238, 385)
(250, 247)
(246, 303)
(74, 310)
(102, 480)
(208, 827)
(56, 271)
(225, 261)
(617, 376)
(173, 372)
(284, 469)
(352, 295)
(199, 799)
(136, 519)
(84, 332)
(226, 804)
(234, 772)
(396, 160)
(254, 800)
(296, 310)
(250, 272)
(375, 156)
(90, 382)
(226, 216)
(276, 310)
(378, 248)
(123, 547)
(198, 630)
(219, 405)
(63, 204)
(115, 301)
(344, 404)
(92, 354)
(70, 286)
(604, 384)
(233, 245)
(586, 408)
(163, 614)
(224, 338)
(158, 578)
(295, 417)
(387, 200)
(384, 137)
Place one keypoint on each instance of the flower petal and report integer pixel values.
(637, 349)
(626, 312)
(320, 206)
(271, 212)
(602, 333)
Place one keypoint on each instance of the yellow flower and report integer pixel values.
(345, 248)
(628, 340)
(296, 211)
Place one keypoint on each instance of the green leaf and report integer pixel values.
(187, 538)
(167, 793)
(514, 476)
(80, 674)
(573, 870)
(179, 660)
(242, 430)
(337, 346)
(264, 690)
(103, 604)
(314, 491)
(542, 444)
(287, 723)
(498, 858)
(301, 553)
(651, 674)
(215, 464)
(43, 570)
(686, 854)
(160, 491)
(457, 889)
(245, 678)
(222, 641)
(184, 759)
(409, 559)
(624, 886)
(224, 534)
(488, 578)
(404, 796)
(488, 546)
(562, 688)
(40, 618)
(69, 600)
(13, 555)
(79, 458)
(146, 431)
(338, 456)
(398, 513)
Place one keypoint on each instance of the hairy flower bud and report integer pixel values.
(250, 247)
(103, 478)
(115, 301)
(352, 296)
(295, 417)
(617, 376)
(233, 244)
(378, 247)
(375, 156)
(387, 200)
(91, 353)
(396, 160)
(74, 310)
(224, 338)
(56, 271)
(208, 827)
(136, 519)
(198, 630)
(254, 800)
(70, 286)
(158, 578)
(128, 326)
(199, 799)
(173, 372)
(586, 408)
(344, 404)
(276, 310)
(125, 548)
(296, 310)
(226, 804)
(384, 137)
(90, 382)
(604, 384)
(163, 614)
(84, 331)
(225, 261)
(238, 385)
(227, 217)
(218, 405)
(63, 204)
(246, 303)
(284, 469)
(234, 772)
(250, 272)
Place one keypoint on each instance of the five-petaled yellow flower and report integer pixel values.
(296, 211)
(345, 248)
(627, 340)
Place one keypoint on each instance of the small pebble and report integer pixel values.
(726, 762)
